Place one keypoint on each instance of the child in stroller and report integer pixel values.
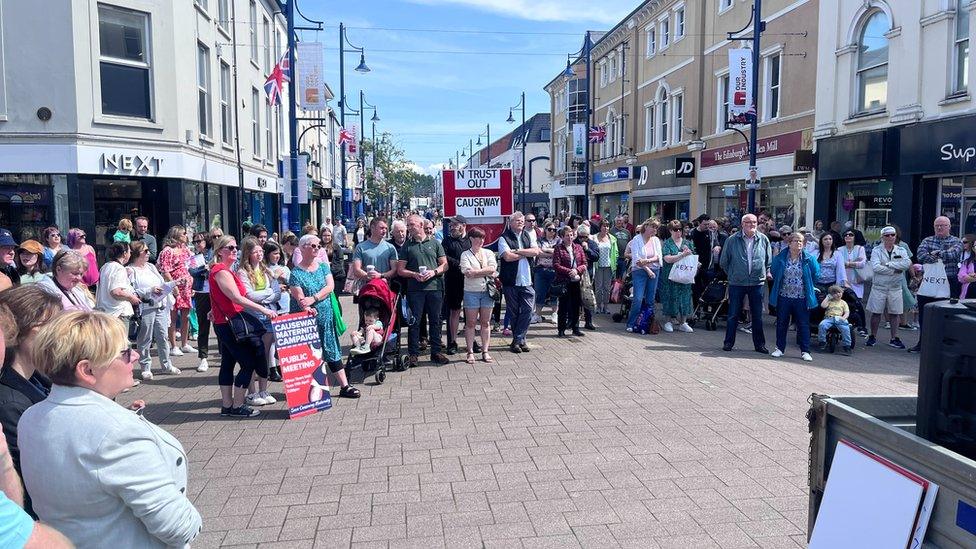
(371, 336)
(833, 336)
(836, 313)
(377, 309)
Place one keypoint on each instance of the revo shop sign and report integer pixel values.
(478, 192)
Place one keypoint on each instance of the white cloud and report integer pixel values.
(608, 12)
(434, 169)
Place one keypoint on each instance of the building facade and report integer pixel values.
(569, 108)
(895, 116)
(142, 107)
(531, 181)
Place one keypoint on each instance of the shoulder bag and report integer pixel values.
(491, 282)
(865, 273)
(244, 325)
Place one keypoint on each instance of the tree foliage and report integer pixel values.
(395, 178)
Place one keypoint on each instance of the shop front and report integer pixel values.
(663, 189)
(611, 191)
(30, 202)
(783, 186)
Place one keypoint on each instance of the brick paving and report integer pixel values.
(610, 440)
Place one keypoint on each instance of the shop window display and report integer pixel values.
(867, 205)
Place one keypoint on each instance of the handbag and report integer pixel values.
(586, 291)
(935, 283)
(492, 284)
(246, 326)
(684, 270)
(340, 324)
(863, 274)
(616, 290)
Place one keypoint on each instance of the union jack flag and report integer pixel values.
(345, 136)
(598, 134)
(275, 83)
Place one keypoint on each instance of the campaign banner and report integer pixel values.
(579, 142)
(740, 82)
(311, 76)
(352, 146)
(305, 374)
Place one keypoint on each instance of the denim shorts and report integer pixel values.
(478, 300)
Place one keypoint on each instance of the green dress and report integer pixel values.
(675, 298)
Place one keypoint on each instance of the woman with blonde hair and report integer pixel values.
(263, 288)
(645, 265)
(65, 281)
(83, 455)
(173, 263)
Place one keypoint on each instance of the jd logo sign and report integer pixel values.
(684, 167)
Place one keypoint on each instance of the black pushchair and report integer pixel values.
(857, 317)
(377, 294)
(713, 302)
(626, 299)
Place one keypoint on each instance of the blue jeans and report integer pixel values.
(645, 288)
(737, 295)
(842, 325)
(543, 281)
(788, 308)
(519, 300)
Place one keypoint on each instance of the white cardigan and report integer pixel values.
(637, 251)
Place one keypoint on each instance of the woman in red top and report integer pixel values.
(227, 301)
(569, 261)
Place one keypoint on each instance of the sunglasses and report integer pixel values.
(230, 247)
(313, 246)
(530, 220)
(551, 229)
(197, 241)
(82, 235)
(849, 235)
(128, 355)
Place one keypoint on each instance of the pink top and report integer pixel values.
(965, 269)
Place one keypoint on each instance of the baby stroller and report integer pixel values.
(377, 294)
(856, 319)
(713, 302)
(626, 299)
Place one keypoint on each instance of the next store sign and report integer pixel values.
(622, 173)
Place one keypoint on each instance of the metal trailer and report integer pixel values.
(886, 426)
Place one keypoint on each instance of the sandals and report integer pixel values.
(487, 358)
(470, 359)
(349, 392)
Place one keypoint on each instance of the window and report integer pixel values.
(678, 106)
(665, 33)
(603, 74)
(961, 76)
(679, 23)
(266, 29)
(662, 118)
(649, 127)
(268, 128)
(872, 64)
(203, 89)
(722, 122)
(772, 78)
(125, 73)
(252, 29)
(223, 14)
(204, 4)
(724, 5)
(256, 121)
(226, 123)
(613, 68)
(651, 41)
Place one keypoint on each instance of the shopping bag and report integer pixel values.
(642, 325)
(684, 271)
(935, 283)
(616, 290)
(586, 291)
(340, 324)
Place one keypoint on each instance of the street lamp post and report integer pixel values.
(361, 68)
(583, 53)
(511, 119)
(363, 105)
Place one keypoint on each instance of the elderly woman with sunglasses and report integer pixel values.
(65, 281)
(855, 258)
(100, 473)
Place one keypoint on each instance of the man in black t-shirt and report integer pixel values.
(423, 263)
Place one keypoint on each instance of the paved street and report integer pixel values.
(604, 441)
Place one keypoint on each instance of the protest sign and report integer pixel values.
(304, 372)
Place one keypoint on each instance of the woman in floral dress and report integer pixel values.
(310, 285)
(173, 264)
(675, 297)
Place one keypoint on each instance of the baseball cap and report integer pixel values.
(31, 246)
(785, 229)
(459, 219)
(888, 230)
(6, 238)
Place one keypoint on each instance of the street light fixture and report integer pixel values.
(362, 64)
(568, 74)
(362, 68)
(522, 138)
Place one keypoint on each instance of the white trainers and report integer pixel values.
(684, 327)
(203, 366)
(629, 329)
(187, 349)
(147, 375)
(535, 319)
(175, 351)
(776, 353)
(268, 399)
(255, 399)
(806, 357)
(172, 370)
(555, 318)
(668, 327)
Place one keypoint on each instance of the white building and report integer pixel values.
(119, 107)
(506, 152)
(895, 115)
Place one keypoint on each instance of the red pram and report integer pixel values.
(377, 294)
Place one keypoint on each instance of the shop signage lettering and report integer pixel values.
(684, 167)
(951, 152)
(616, 174)
(262, 183)
(771, 146)
(131, 163)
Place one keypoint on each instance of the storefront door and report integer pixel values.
(114, 199)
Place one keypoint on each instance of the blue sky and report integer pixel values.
(433, 103)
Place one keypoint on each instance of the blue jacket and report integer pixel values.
(811, 271)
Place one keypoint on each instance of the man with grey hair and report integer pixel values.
(889, 261)
(944, 247)
(746, 259)
(516, 251)
(423, 263)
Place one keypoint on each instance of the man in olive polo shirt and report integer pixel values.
(423, 264)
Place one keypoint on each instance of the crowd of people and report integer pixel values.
(75, 323)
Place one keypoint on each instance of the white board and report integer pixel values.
(478, 206)
(866, 504)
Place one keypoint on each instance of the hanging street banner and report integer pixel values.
(311, 76)
(285, 181)
(352, 146)
(304, 371)
(484, 196)
(740, 82)
(579, 142)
